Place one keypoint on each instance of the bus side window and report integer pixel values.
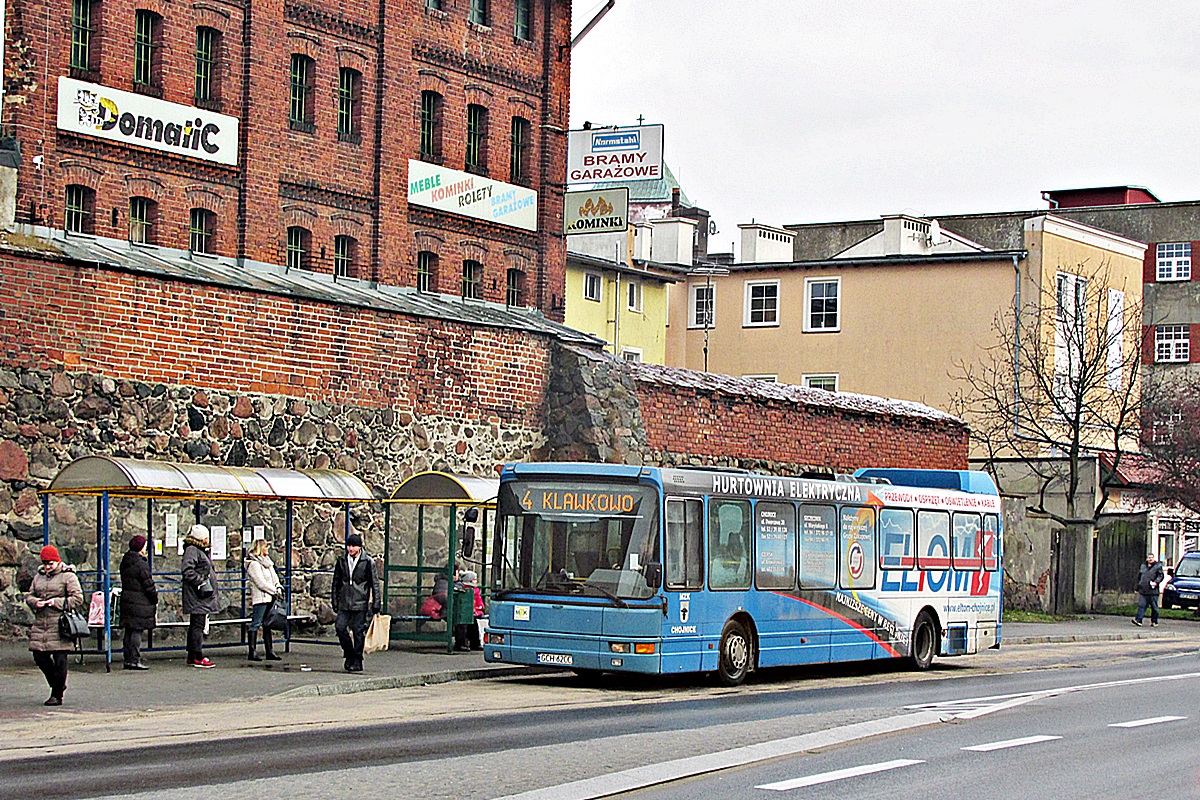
(933, 540)
(856, 530)
(967, 553)
(729, 544)
(991, 541)
(775, 545)
(896, 539)
(685, 551)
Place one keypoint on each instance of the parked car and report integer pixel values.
(1183, 586)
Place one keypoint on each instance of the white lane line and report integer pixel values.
(838, 775)
(1137, 723)
(987, 748)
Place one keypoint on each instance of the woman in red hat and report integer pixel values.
(54, 589)
(139, 601)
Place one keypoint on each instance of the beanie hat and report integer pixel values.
(469, 578)
(50, 553)
(199, 532)
(354, 540)
(137, 543)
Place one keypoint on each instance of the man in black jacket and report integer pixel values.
(1150, 578)
(356, 591)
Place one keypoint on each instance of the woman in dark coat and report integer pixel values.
(200, 595)
(55, 588)
(139, 597)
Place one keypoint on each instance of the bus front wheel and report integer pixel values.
(924, 641)
(733, 661)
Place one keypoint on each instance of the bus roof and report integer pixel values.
(959, 480)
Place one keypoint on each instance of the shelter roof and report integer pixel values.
(444, 488)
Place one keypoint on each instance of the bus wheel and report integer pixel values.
(924, 641)
(733, 662)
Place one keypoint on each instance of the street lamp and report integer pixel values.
(708, 270)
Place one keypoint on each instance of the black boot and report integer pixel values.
(267, 643)
(253, 656)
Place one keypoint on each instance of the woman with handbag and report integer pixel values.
(55, 590)
(139, 601)
(200, 595)
(265, 589)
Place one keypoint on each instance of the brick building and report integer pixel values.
(290, 132)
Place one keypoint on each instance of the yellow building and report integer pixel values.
(623, 304)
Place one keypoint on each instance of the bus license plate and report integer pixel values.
(560, 659)
(1187, 595)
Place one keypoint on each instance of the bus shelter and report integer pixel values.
(437, 541)
(109, 479)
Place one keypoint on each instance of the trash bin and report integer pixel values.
(464, 607)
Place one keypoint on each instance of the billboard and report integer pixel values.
(596, 211)
(89, 109)
(471, 195)
(615, 154)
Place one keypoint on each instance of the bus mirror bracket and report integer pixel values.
(653, 575)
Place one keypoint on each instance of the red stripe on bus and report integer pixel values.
(866, 631)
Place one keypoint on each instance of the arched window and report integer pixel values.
(147, 52)
(477, 125)
(431, 126)
(472, 280)
(208, 51)
(345, 254)
(299, 247)
(202, 232)
(515, 289)
(518, 167)
(349, 126)
(300, 109)
(143, 220)
(80, 209)
(427, 265)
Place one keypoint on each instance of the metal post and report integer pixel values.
(103, 564)
(243, 614)
(451, 595)
(45, 520)
(387, 551)
(287, 589)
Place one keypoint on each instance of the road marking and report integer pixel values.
(987, 748)
(838, 775)
(1137, 723)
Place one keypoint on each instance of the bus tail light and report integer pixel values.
(494, 638)
(646, 649)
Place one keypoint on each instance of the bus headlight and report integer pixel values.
(494, 638)
(618, 647)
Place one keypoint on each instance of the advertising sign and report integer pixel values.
(92, 110)
(597, 211)
(615, 154)
(471, 195)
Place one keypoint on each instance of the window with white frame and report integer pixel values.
(1070, 343)
(700, 307)
(592, 286)
(822, 302)
(634, 294)
(1172, 343)
(1174, 261)
(632, 354)
(761, 304)
(826, 381)
(1115, 334)
(763, 378)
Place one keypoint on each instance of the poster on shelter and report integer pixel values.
(219, 543)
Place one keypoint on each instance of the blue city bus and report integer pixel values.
(613, 568)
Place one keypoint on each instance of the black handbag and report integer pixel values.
(206, 587)
(276, 618)
(72, 625)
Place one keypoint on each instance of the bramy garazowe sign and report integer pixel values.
(89, 109)
(471, 195)
(615, 154)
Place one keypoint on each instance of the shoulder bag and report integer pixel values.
(72, 625)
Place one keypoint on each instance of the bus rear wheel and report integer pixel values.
(733, 659)
(924, 641)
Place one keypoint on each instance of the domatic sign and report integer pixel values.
(596, 211)
(615, 154)
(92, 110)
(471, 195)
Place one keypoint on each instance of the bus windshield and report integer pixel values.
(577, 539)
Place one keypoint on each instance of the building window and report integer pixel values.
(762, 303)
(299, 247)
(521, 23)
(701, 311)
(518, 162)
(426, 271)
(821, 297)
(433, 5)
(634, 295)
(208, 42)
(479, 12)
(763, 378)
(515, 289)
(476, 138)
(300, 112)
(202, 231)
(1172, 343)
(827, 382)
(143, 213)
(633, 354)
(349, 101)
(81, 206)
(431, 126)
(345, 251)
(472, 280)
(592, 286)
(1174, 261)
(81, 34)
(147, 42)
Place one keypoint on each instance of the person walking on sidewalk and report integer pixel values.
(265, 589)
(355, 593)
(200, 594)
(55, 589)
(139, 601)
(1150, 578)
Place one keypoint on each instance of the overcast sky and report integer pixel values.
(794, 111)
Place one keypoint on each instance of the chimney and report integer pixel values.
(675, 201)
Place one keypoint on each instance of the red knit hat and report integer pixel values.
(50, 553)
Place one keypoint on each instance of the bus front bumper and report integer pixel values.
(572, 651)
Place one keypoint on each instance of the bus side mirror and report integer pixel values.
(1171, 572)
(468, 541)
(653, 574)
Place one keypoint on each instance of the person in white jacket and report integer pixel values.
(265, 588)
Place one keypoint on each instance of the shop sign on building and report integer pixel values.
(89, 109)
(615, 154)
(597, 211)
(471, 195)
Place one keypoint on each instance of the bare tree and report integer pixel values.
(1060, 384)
(1171, 446)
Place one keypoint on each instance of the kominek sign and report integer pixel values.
(615, 154)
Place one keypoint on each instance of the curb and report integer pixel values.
(406, 681)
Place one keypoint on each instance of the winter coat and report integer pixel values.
(197, 566)
(1150, 577)
(59, 586)
(264, 583)
(139, 595)
(479, 607)
(357, 592)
